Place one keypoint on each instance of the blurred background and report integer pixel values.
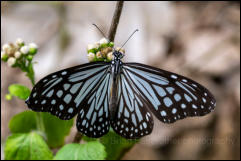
(200, 40)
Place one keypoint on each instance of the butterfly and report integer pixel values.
(124, 96)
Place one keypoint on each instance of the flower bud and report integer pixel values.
(6, 47)
(109, 56)
(33, 48)
(17, 54)
(33, 45)
(30, 57)
(90, 46)
(91, 57)
(4, 56)
(20, 42)
(24, 49)
(11, 61)
(120, 50)
(99, 55)
(104, 41)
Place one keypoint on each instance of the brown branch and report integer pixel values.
(111, 37)
(115, 20)
(77, 137)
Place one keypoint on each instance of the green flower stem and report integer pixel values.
(40, 123)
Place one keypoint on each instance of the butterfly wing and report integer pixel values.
(62, 93)
(131, 118)
(93, 118)
(171, 96)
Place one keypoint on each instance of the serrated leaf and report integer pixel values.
(89, 151)
(28, 146)
(23, 122)
(55, 129)
(116, 145)
(19, 91)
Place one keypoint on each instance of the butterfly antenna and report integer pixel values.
(99, 30)
(129, 38)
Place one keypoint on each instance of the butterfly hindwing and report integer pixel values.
(93, 118)
(61, 93)
(132, 118)
(172, 97)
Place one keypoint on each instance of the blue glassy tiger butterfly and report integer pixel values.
(124, 96)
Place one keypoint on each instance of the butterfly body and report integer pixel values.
(120, 95)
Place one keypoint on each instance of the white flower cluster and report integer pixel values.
(12, 52)
(101, 51)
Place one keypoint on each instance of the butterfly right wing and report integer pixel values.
(62, 93)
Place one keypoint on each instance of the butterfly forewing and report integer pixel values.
(62, 93)
(132, 118)
(171, 96)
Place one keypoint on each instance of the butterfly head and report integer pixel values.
(118, 55)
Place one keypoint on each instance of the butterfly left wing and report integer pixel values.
(171, 96)
(62, 92)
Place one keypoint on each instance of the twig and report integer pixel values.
(77, 137)
(111, 37)
(115, 20)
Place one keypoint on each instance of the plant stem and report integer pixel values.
(77, 137)
(115, 20)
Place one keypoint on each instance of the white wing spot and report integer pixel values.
(61, 107)
(194, 106)
(59, 93)
(174, 110)
(174, 76)
(70, 110)
(184, 80)
(43, 102)
(64, 73)
(177, 97)
(34, 95)
(53, 102)
(163, 113)
(204, 100)
(167, 101)
(183, 106)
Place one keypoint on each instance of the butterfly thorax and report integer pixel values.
(116, 67)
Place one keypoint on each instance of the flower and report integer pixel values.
(19, 42)
(4, 56)
(110, 56)
(120, 50)
(17, 54)
(90, 46)
(33, 46)
(6, 47)
(99, 55)
(104, 41)
(24, 49)
(11, 61)
(91, 57)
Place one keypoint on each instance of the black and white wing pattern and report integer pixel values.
(75, 91)
(93, 119)
(131, 118)
(172, 97)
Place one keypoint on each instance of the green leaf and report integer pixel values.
(116, 145)
(56, 129)
(19, 91)
(23, 122)
(29, 146)
(89, 151)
